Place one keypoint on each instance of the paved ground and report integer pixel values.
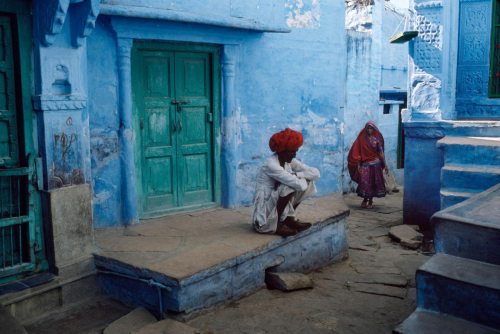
(371, 292)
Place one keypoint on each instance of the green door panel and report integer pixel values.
(21, 240)
(9, 142)
(193, 90)
(173, 103)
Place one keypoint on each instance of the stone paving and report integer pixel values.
(371, 292)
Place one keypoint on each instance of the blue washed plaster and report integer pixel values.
(61, 95)
(373, 67)
(421, 196)
(286, 96)
(460, 288)
(474, 38)
(448, 81)
(252, 15)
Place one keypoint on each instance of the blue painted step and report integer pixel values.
(452, 197)
(428, 322)
(469, 177)
(471, 150)
(471, 229)
(460, 287)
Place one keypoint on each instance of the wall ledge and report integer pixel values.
(178, 16)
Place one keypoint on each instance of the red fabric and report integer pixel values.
(286, 140)
(362, 151)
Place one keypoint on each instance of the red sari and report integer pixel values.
(365, 163)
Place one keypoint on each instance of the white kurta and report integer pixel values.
(294, 177)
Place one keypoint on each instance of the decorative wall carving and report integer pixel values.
(473, 56)
(51, 15)
(428, 45)
(59, 102)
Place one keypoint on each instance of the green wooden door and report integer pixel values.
(21, 244)
(174, 108)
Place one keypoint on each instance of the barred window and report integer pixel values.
(494, 82)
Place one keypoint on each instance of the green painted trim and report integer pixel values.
(493, 50)
(136, 64)
(22, 49)
(216, 135)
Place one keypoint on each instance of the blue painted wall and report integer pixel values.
(373, 65)
(280, 80)
(448, 81)
(474, 39)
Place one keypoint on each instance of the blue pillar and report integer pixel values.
(229, 129)
(126, 133)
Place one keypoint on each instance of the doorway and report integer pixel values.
(176, 111)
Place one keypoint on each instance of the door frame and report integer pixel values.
(20, 12)
(214, 51)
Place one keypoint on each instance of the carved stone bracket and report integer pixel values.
(57, 102)
(429, 4)
(84, 21)
(51, 15)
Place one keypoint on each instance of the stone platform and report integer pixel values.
(187, 262)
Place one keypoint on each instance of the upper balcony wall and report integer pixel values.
(256, 15)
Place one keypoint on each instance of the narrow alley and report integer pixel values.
(370, 292)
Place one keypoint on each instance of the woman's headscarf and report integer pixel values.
(286, 140)
(362, 151)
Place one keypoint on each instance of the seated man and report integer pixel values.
(282, 183)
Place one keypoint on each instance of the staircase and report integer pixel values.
(471, 165)
(458, 289)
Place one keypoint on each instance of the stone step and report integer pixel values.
(450, 197)
(478, 217)
(167, 326)
(9, 324)
(469, 177)
(460, 287)
(427, 322)
(131, 322)
(483, 151)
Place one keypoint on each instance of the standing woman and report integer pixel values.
(365, 162)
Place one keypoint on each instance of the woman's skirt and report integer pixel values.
(371, 180)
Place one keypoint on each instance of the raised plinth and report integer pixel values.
(188, 262)
(471, 229)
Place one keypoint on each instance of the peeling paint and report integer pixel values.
(303, 13)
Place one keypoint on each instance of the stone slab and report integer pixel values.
(70, 225)
(135, 320)
(378, 289)
(385, 279)
(167, 326)
(411, 244)
(404, 232)
(288, 281)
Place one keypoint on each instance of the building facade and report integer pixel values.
(452, 122)
(138, 109)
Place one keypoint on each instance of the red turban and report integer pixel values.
(286, 140)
